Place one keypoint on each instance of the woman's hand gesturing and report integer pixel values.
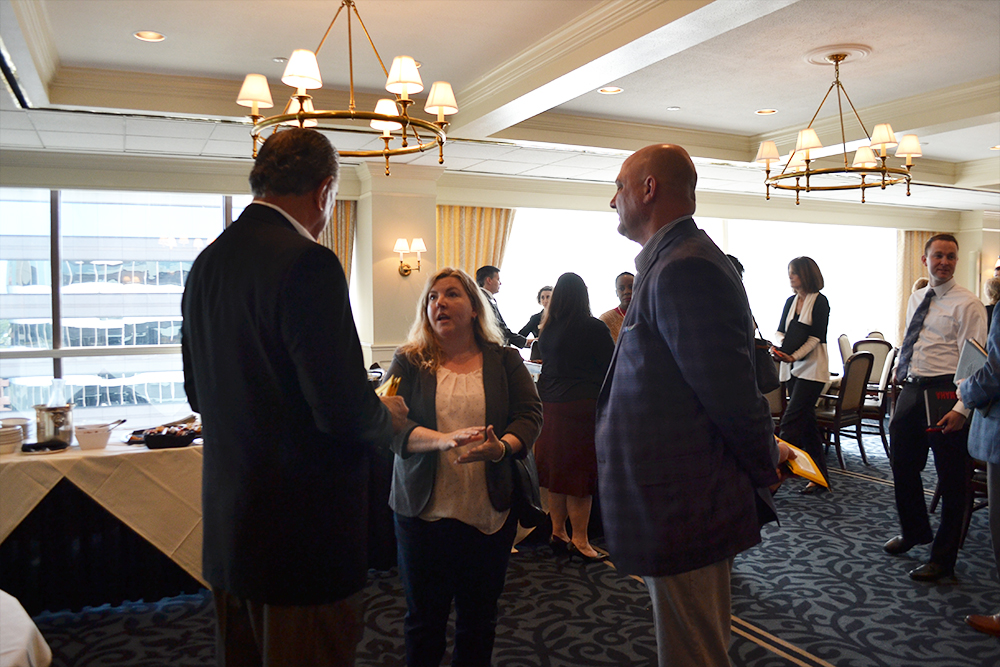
(491, 450)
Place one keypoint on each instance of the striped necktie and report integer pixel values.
(912, 333)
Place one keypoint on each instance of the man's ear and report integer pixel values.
(649, 189)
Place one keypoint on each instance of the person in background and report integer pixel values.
(919, 284)
(992, 291)
(805, 370)
(273, 363)
(939, 319)
(531, 328)
(682, 432)
(577, 349)
(614, 317)
(473, 407)
(981, 393)
(488, 278)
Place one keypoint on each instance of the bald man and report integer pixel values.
(684, 438)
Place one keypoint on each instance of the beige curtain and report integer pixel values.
(909, 250)
(472, 236)
(339, 233)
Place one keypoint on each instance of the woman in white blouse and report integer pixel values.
(805, 367)
(473, 408)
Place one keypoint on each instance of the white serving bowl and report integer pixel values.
(93, 436)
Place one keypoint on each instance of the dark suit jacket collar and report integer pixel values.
(261, 213)
(651, 251)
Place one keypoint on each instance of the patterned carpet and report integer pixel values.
(818, 591)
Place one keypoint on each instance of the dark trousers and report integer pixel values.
(445, 560)
(910, 445)
(798, 423)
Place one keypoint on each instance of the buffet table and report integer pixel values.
(104, 526)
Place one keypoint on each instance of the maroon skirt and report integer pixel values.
(565, 452)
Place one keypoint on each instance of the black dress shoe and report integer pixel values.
(558, 545)
(931, 572)
(899, 545)
(574, 552)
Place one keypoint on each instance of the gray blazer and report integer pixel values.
(982, 391)
(684, 437)
(512, 406)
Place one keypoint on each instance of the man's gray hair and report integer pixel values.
(293, 162)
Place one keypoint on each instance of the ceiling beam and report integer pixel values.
(617, 38)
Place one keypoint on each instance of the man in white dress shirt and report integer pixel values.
(940, 317)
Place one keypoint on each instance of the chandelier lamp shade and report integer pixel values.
(868, 169)
(401, 133)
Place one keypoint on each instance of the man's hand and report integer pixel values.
(398, 409)
(784, 472)
(953, 421)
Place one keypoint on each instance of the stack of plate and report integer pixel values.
(10, 439)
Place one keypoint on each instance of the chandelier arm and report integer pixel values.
(840, 114)
(439, 134)
(329, 28)
(377, 56)
(835, 82)
(350, 58)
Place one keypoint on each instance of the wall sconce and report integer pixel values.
(402, 248)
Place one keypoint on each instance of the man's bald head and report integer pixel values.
(656, 185)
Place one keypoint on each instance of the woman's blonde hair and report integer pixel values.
(422, 347)
(992, 290)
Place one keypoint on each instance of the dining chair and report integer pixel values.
(845, 347)
(877, 404)
(880, 351)
(847, 406)
(875, 334)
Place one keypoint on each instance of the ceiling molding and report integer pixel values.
(982, 174)
(556, 128)
(27, 38)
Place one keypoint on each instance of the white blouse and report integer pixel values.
(460, 488)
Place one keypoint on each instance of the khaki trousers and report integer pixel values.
(691, 615)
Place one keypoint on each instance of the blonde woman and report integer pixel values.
(473, 406)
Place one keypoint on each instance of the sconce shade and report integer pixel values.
(386, 107)
(302, 70)
(255, 89)
(403, 77)
(767, 153)
(417, 245)
(909, 146)
(807, 140)
(864, 157)
(883, 137)
(441, 99)
(401, 246)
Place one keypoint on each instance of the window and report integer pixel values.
(123, 261)
(860, 280)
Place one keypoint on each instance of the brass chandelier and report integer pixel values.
(390, 114)
(799, 171)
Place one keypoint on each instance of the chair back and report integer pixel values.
(855, 382)
(880, 350)
(887, 369)
(845, 347)
(875, 334)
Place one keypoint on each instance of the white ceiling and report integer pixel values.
(525, 74)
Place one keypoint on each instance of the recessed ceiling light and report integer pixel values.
(995, 148)
(149, 36)
(609, 90)
(765, 112)
(279, 59)
(673, 108)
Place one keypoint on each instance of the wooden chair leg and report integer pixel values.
(861, 445)
(840, 454)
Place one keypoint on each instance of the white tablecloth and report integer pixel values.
(156, 493)
(21, 644)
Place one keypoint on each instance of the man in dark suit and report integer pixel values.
(488, 278)
(273, 363)
(684, 437)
